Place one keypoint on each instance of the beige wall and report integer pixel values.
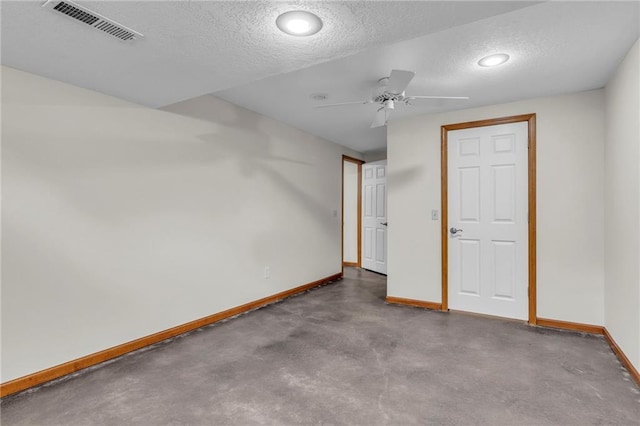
(377, 155)
(350, 218)
(622, 206)
(570, 137)
(120, 221)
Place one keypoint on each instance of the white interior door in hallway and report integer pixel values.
(487, 220)
(374, 216)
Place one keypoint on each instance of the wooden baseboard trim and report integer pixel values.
(594, 329)
(352, 264)
(622, 357)
(413, 302)
(573, 326)
(40, 377)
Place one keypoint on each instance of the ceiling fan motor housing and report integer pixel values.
(381, 95)
(387, 96)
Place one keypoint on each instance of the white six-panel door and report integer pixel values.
(488, 220)
(374, 217)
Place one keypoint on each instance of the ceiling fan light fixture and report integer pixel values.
(493, 60)
(299, 23)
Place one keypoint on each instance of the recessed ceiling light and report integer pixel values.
(493, 60)
(299, 23)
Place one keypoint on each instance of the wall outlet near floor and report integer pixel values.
(435, 215)
(267, 272)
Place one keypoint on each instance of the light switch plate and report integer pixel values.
(435, 215)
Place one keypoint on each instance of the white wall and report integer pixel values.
(350, 219)
(120, 221)
(570, 194)
(374, 156)
(622, 206)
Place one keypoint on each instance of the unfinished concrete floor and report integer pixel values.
(340, 355)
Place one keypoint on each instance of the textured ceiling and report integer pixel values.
(192, 48)
(233, 50)
(555, 47)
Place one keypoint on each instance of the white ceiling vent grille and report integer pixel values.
(93, 19)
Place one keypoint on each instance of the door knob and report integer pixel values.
(454, 231)
(384, 224)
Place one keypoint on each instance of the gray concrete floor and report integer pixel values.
(340, 355)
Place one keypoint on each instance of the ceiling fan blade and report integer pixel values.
(381, 118)
(399, 80)
(343, 103)
(436, 97)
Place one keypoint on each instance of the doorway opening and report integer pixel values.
(351, 211)
(469, 280)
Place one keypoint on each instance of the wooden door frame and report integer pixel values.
(359, 163)
(531, 120)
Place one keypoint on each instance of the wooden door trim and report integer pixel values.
(531, 120)
(359, 163)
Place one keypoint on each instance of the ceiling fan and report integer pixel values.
(390, 91)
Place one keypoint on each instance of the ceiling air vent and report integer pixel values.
(93, 19)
